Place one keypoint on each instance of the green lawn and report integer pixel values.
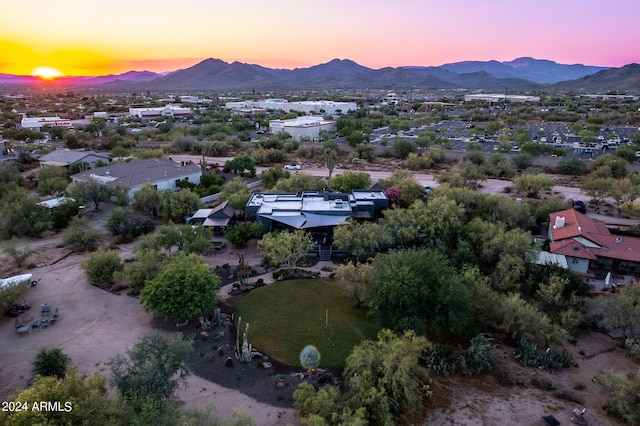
(286, 316)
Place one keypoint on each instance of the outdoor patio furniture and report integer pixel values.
(20, 328)
(550, 421)
(45, 309)
(41, 323)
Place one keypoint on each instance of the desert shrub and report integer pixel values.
(623, 394)
(81, 236)
(542, 383)
(437, 359)
(480, 356)
(266, 157)
(290, 145)
(418, 162)
(127, 226)
(570, 166)
(567, 395)
(101, 265)
(50, 362)
(633, 344)
(216, 148)
(527, 354)
(365, 152)
(305, 152)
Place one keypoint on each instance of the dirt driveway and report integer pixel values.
(93, 326)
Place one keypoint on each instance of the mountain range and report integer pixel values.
(215, 75)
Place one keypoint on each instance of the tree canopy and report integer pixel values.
(185, 289)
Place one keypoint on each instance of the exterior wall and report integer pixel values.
(168, 184)
(299, 131)
(578, 265)
(37, 123)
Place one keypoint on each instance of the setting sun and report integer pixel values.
(46, 73)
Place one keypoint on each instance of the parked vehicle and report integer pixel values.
(579, 206)
(293, 166)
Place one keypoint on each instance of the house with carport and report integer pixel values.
(161, 173)
(68, 159)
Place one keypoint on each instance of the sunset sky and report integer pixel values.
(89, 37)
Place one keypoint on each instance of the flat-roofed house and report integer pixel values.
(313, 209)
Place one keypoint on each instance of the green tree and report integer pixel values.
(623, 391)
(403, 147)
(300, 182)
(50, 362)
(236, 194)
(519, 319)
(122, 223)
(240, 233)
(570, 166)
(175, 206)
(9, 173)
(146, 199)
(349, 180)
(90, 191)
(360, 239)
(119, 152)
(81, 235)
(242, 163)
(51, 181)
(624, 190)
(148, 265)
(20, 214)
(418, 290)
(101, 266)
(185, 289)
(285, 247)
(621, 313)
(186, 238)
(272, 175)
(608, 165)
(597, 188)
(87, 399)
(152, 371)
(385, 378)
(532, 184)
(356, 279)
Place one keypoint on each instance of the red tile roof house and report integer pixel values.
(587, 244)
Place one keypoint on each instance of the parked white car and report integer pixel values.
(293, 166)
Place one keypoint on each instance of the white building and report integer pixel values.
(37, 123)
(302, 128)
(170, 111)
(308, 107)
(495, 98)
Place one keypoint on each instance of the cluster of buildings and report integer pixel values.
(500, 98)
(306, 107)
(167, 111)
